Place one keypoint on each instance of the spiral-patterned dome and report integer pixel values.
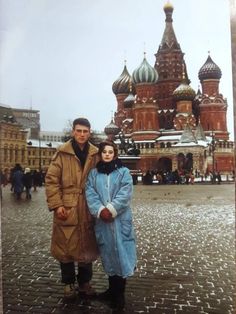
(209, 70)
(111, 129)
(145, 73)
(122, 84)
(184, 92)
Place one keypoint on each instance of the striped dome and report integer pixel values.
(209, 70)
(111, 128)
(122, 84)
(145, 73)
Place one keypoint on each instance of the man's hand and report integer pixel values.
(61, 213)
(106, 215)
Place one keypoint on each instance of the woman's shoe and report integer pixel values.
(105, 296)
(118, 302)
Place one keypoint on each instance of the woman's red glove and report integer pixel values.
(106, 215)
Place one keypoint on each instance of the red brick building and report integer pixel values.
(173, 126)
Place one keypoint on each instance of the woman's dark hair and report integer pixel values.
(107, 143)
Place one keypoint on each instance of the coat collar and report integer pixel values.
(68, 149)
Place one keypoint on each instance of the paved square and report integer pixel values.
(186, 254)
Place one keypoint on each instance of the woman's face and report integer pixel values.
(108, 153)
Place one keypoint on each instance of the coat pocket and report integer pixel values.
(70, 200)
(127, 230)
(72, 219)
(99, 234)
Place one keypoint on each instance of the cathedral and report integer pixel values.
(172, 126)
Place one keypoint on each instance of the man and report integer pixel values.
(73, 238)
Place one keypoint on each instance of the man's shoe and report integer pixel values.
(69, 291)
(86, 290)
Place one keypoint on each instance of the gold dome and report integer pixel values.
(168, 6)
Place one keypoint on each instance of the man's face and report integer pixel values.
(81, 134)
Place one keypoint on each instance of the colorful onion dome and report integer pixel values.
(111, 128)
(145, 73)
(184, 92)
(209, 70)
(121, 85)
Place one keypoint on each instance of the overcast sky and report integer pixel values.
(62, 56)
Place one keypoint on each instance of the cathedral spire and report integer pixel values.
(169, 39)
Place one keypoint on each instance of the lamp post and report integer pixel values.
(39, 139)
(213, 156)
(39, 150)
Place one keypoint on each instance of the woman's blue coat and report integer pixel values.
(116, 240)
(18, 181)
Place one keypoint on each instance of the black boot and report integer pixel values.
(118, 292)
(107, 294)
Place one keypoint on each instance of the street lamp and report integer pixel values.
(39, 139)
(39, 150)
(213, 146)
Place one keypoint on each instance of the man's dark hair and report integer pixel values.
(81, 121)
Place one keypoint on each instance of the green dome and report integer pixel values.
(184, 92)
(145, 73)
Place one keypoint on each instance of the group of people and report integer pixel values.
(168, 177)
(89, 192)
(22, 180)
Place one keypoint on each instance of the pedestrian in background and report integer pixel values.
(73, 238)
(17, 181)
(218, 177)
(27, 182)
(108, 191)
(37, 179)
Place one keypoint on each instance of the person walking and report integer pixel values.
(73, 238)
(17, 181)
(108, 191)
(27, 182)
(37, 179)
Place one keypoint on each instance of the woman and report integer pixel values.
(109, 189)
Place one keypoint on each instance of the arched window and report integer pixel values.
(162, 145)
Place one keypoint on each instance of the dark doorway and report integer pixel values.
(164, 164)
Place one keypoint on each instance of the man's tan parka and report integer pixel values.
(72, 239)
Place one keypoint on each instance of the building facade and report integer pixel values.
(13, 140)
(19, 146)
(173, 126)
(29, 119)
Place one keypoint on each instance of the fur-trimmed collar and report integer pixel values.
(67, 148)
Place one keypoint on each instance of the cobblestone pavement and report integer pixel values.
(186, 254)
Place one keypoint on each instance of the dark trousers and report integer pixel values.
(117, 284)
(117, 291)
(68, 274)
(27, 192)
